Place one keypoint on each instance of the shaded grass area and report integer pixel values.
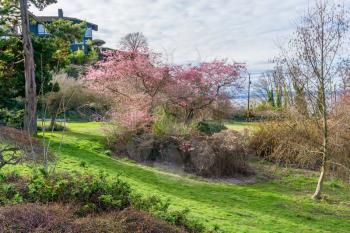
(279, 205)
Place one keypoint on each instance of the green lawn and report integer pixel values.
(280, 205)
(241, 125)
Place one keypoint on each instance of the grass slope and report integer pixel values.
(279, 205)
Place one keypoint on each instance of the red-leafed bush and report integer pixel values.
(17, 146)
(21, 140)
(37, 218)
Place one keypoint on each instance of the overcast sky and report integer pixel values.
(194, 30)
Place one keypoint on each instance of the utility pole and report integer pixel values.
(248, 107)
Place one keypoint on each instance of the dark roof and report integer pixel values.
(46, 19)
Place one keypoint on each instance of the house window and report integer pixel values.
(41, 30)
(88, 32)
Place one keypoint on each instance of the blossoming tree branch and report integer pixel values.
(138, 83)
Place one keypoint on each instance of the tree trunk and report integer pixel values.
(53, 120)
(322, 106)
(30, 124)
(317, 194)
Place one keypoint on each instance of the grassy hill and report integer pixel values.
(282, 204)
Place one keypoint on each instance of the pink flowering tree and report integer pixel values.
(138, 83)
(132, 81)
(195, 88)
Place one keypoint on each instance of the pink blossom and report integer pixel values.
(138, 82)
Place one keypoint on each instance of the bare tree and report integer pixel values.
(134, 42)
(72, 95)
(272, 88)
(345, 76)
(263, 86)
(315, 52)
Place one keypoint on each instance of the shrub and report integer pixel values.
(210, 127)
(180, 218)
(91, 192)
(106, 223)
(17, 146)
(150, 204)
(73, 71)
(32, 147)
(297, 141)
(78, 57)
(264, 106)
(118, 139)
(160, 208)
(11, 118)
(55, 127)
(90, 195)
(9, 195)
(83, 164)
(10, 155)
(58, 218)
(141, 222)
(167, 125)
(35, 218)
(220, 155)
(287, 143)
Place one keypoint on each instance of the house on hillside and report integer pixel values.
(37, 27)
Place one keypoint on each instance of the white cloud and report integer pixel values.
(192, 30)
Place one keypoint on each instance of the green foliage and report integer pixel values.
(8, 18)
(271, 98)
(263, 106)
(160, 208)
(83, 164)
(11, 72)
(51, 53)
(86, 190)
(180, 218)
(300, 98)
(279, 99)
(150, 203)
(73, 71)
(49, 56)
(285, 98)
(165, 124)
(92, 55)
(92, 193)
(210, 127)
(66, 31)
(9, 193)
(78, 57)
(11, 118)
